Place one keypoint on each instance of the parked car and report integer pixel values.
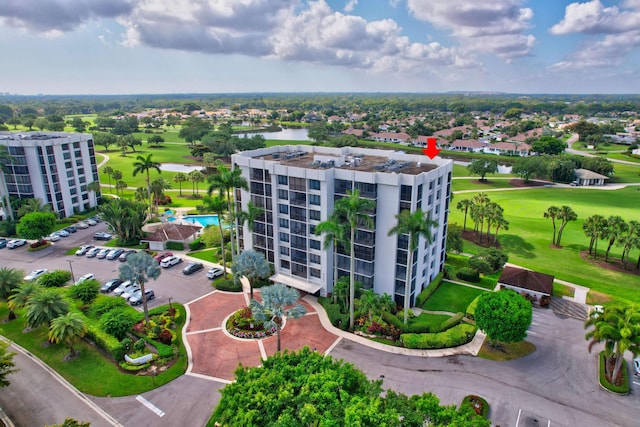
(136, 298)
(62, 233)
(16, 243)
(114, 253)
(53, 237)
(110, 285)
(82, 225)
(71, 229)
(126, 254)
(192, 267)
(35, 274)
(96, 218)
(93, 252)
(84, 278)
(129, 293)
(170, 261)
(101, 235)
(636, 367)
(103, 253)
(214, 272)
(83, 250)
(124, 286)
(3, 243)
(91, 222)
(159, 257)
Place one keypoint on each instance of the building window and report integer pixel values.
(283, 180)
(284, 250)
(283, 209)
(298, 184)
(405, 193)
(314, 244)
(284, 237)
(285, 264)
(314, 215)
(314, 272)
(314, 199)
(283, 195)
(314, 259)
(284, 223)
(314, 184)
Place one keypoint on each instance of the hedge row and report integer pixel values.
(105, 341)
(175, 246)
(450, 322)
(429, 290)
(471, 308)
(468, 274)
(458, 335)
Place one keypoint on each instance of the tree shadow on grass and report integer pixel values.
(517, 245)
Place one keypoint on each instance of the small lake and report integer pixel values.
(177, 167)
(284, 135)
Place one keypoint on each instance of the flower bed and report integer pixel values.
(241, 324)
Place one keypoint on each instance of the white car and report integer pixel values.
(83, 250)
(103, 253)
(62, 233)
(170, 261)
(91, 222)
(53, 237)
(128, 294)
(35, 274)
(88, 276)
(93, 252)
(16, 243)
(214, 272)
(83, 225)
(124, 287)
(636, 367)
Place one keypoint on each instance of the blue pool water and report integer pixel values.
(203, 220)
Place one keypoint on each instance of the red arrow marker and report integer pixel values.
(431, 149)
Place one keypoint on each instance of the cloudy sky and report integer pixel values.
(210, 46)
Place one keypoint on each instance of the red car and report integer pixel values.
(162, 256)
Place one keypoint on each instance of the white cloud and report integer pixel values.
(351, 4)
(620, 27)
(496, 27)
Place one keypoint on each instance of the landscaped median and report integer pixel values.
(623, 386)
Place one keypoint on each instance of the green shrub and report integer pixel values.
(337, 318)
(117, 322)
(472, 401)
(103, 340)
(87, 291)
(620, 389)
(468, 274)
(140, 345)
(228, 285)
(104, 304)
(450, 322)
(471, 308)
(458, 335)
(393, 320)
(429, 290)
(175, 246)
(54, 279)
(196, 245)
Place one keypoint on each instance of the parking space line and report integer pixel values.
(518, 420)
(636, 383)
(534, 323)
(150, 405)
(532, 333)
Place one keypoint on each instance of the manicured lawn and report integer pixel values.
(625, 173)
(456, 262)
(620, 156)
(451, 297)
(474, 184)
(90, 372)
(433, 321)
(529, 236)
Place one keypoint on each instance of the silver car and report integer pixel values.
(103, 253)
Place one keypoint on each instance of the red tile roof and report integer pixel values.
(172, 232)
(527, 279)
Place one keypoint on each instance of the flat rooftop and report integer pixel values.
(355, 161)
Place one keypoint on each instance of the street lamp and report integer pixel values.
(71, 268)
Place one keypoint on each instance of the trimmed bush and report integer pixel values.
(103, 340)
(104, 304)
(458, 335)
(468, 274)
(429, 290)
(196, 245)
(337, 318)
(450, 322)
(54, 279)
(471, 308)
(175, 246)
(393, 320)
(228, 285)
(478, 405)
(117, 322)
(87, 291)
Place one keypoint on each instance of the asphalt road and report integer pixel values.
(554, 386)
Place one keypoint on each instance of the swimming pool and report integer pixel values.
(203, 220)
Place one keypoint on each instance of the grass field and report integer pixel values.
(451, 297)
(529, 236)
(474, 184)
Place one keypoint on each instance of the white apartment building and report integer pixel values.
(52, 166)
(297, 187)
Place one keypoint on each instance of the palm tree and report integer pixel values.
(355, 211)
(22, 294)
(614, 228)
(464, 206)
(195, 177)
(144, 164)
(334, 232)
(10, 279)
(68, 329)
(140, 194)
(414, 224)
(273, 308)
(552, 212)
(157, 189)
(45, 305)
(501, 223)
(369, 302)
(249, 216)
(33, 205)
(5, 158)
(493, 214)
(629, 240)
(117, 176)
(252, 265)
(108, 170)
(180, 178)
(218, 205)
(226, 181)
(565, 215)
(592, 227)
(619, 327)
(121, 186)
(139, 268)
(94, 187)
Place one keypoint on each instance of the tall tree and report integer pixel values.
(592, 226)
(33, 205)
(67, 328)
(482, 167)
(180, 177)
(355, 210)
(629, 240)
(143, 165)
(158, 186)
(335, 232)
(565, 215)
(10, 279)
(22, 294)
(36, 225)
(218, 205)
(6, 363)
(464, 205)
(614, 229)
(44, 305)
(226, 181)
(619, 327)
(139, 268)
(105, 139)
(249, 217)
(252, 265)
(278, 302)
(415, 225)
(195, 177)
(108, 170)
(552, 212)
(94, 187)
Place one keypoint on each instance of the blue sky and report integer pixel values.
(210, 46)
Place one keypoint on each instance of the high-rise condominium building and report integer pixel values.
(297, 186)
(54, 167)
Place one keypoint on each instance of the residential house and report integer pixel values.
(587, 177)
(536, 287)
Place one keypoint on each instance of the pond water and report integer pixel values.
(177, 167)
(284, 135)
